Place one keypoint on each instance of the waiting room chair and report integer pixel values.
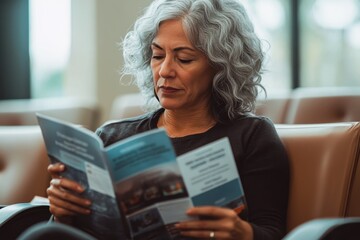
(327, 229)
(23, 164)
(325, 177)
(324, 170)
(274, 108)
(323, 105)
(74, 110)
(16, 218)
(127, 105)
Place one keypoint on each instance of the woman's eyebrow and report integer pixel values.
(156, 45)
(175, 49)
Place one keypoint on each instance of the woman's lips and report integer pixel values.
(168, 90)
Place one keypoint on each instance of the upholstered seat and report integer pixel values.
(326, 105)
(325, 176)
(23, 164)
(274, 108)
(127, 105)
(301, 106)
(325, 170)
(23, 111)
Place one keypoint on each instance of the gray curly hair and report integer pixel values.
(222, 30)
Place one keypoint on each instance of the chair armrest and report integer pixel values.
(54, 230)
(16, 218)
(327, 229)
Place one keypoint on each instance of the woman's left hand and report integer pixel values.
(220, 223)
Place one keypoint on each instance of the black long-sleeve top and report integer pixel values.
(260, 157)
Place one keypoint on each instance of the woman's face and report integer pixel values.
(182, 75)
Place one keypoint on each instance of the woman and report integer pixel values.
(202, 61)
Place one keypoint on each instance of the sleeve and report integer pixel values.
(265, 177)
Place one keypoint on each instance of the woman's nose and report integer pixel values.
(167, 68)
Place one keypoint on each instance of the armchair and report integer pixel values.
(323, 105)
(23, 164)
(325, 180)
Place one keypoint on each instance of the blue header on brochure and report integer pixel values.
(221, 196)
(139, 153)
(74, 148)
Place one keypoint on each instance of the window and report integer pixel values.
(330, 43)
(50, 37)
(272, 24)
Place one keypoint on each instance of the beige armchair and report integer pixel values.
(324, 170)
(325, 182)
(324, 105)
(23, 111)
(23, 164)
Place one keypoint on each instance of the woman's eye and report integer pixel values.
(157, 57)
(185, 61)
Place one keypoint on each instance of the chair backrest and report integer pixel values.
(18, 217)
(325, 170)
(127, 105)
(132, 104)
(23, 164)
(23, 111)
(326, 105)
(327, 229)
(275, 108)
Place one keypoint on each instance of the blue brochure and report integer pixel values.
(139, 188)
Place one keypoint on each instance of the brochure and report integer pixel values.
(139, 188)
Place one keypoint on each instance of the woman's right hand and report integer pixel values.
(64, 203)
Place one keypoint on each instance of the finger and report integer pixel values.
(59, 212)
(212, 212)
(67, 184)
(55, 169)
(201, 225)
(213, 218)
(56, 192)
(206, 234)
(61, 208)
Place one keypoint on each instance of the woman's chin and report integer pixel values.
(170, 105)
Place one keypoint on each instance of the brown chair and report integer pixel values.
(274, 108)
(325, 176)
(23, 111)
(323, 105)
(23, 164)
(127, 105)
(325, 170)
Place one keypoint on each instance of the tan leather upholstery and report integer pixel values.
(326, 105)
(22, 111)
(312, 105)
(325, 170)
(324, 159)
(127, 105)
(273, 108)
(302, 106)
(23, 164)
(132, 104)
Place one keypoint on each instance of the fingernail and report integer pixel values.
(80, 189)
(55, 182)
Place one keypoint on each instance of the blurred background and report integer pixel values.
(70, 48)
(62, 58)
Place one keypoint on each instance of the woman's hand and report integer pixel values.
(220, 223)
(64, 202)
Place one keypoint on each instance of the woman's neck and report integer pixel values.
(183, 123)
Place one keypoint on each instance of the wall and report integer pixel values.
(96, 59)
